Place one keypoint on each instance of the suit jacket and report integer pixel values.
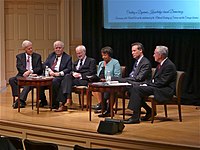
(113, 66)
(65, 64)
(164, 81)
(36, 64)
(142, 73)
(87, 69)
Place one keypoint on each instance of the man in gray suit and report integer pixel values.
(27, 63)
(162, 86)
(140, 73)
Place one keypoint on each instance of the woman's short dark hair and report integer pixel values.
(107, 50)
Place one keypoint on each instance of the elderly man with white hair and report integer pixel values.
(27, 63)
(59, 64)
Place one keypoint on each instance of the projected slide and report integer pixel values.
(152, 14)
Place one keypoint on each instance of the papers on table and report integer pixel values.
(111, 83)
(40, 77)
(120, 84)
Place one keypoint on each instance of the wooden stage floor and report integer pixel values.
(184, 135)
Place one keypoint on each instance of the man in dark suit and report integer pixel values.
(59, 64)
(28, 63)
(83, 67)
(162, 86)
(140, 73)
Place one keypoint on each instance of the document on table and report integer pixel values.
(112, 83)
(119, 84)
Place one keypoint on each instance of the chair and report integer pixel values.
(33, 145)
(17, 142)
(123, 69)
(176, 100)
(77, 147)
(81, 91)
(14, 141)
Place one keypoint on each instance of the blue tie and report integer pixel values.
(133, 70)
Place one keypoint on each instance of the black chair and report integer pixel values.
(10, 143)
(77, 147)
(17, 142)
(33, 145)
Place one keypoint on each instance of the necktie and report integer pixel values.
(133, 70)
(28, 63)
(54, 64)
(158, 67)
(81, 63)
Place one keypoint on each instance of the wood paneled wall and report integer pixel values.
(42, 22)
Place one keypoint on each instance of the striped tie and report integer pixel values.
(28, 63)
(54, 64)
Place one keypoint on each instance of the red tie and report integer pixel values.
(158, 67)
(54, 64)
(28, 63)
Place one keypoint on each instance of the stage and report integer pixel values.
(73, 127)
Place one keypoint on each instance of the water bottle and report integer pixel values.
(46, 72)
(108, 77)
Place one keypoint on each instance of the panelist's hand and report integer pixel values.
(103, 80)
(27, 73)
(76, 75)
(33, 75)
(54, 74)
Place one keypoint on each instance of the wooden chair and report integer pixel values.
(123, 69)
(176, 100)
(33, 145)
(81, 91)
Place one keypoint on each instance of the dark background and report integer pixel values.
(184, 46)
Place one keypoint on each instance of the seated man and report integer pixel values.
(108, 64)
(59, 64)
(81, 68)
(27, 63)
(162, 86)
(141, 71)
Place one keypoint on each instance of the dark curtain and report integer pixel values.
(184, 46)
